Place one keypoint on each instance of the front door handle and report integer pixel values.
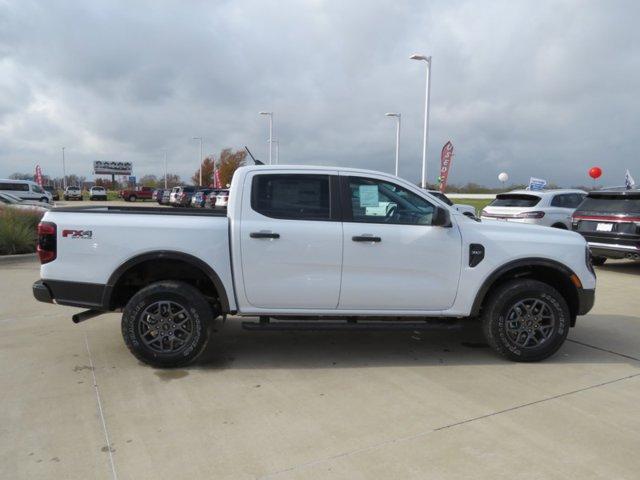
(366, 238)
(264, 235)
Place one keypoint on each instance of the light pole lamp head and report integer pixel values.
(266, 113)
(417, 56)
(392, 115)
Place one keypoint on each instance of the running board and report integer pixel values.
(314, 325)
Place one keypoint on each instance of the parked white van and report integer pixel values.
(25, 189)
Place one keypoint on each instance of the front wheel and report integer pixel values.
(598, 261)
(165, 324)
(132, 198)
(525, 320)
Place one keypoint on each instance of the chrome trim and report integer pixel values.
(614, 246)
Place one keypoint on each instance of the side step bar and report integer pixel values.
(314, 325)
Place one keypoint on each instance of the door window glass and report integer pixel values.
(377, 201)
(294, 197)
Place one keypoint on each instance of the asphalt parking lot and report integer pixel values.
(317, 405)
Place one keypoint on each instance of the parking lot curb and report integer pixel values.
(25, 257)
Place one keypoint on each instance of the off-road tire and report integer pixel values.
(500, 303)
(181, 294)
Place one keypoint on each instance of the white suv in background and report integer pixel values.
(551, 208)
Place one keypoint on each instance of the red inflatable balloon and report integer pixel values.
(595, 172)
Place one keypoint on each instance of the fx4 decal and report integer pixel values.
(86, 234)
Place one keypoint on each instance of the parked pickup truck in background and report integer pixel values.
(142, 193)
(307, 248)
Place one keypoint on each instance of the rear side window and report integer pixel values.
(15, 187)
(293, 197)
(567, 200)
(515, 200)
(616, 204)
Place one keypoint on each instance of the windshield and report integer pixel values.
(615, 204)
(515, 200)
(12, 198)
(442, 197)
(98, 189)
(7, 198)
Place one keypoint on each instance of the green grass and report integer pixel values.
(477, 203)
(18, 231)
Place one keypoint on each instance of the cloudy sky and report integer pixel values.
(533, 88)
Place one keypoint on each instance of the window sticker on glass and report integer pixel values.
(368, 195)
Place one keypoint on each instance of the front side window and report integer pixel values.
(293, 196)
(378, 201)
(37, 188)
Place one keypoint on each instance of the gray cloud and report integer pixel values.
(534, 88)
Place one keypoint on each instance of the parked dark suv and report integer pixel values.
(610, 221)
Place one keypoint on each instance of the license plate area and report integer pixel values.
(604, 227)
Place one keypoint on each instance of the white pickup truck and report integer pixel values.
(306, 248)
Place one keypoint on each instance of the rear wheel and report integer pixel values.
(598, 261)
(166, 324)
(561, 226)
(525, 320)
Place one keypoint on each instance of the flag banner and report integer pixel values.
(38, 175)
(446, 157)
(629, 182)
(216, 179)
(537, 183)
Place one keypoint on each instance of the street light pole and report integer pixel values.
(277, 142)
(398, 120)
(425, 138)
(64, 171)
(165, 169)
(270, 115)
(200, 178)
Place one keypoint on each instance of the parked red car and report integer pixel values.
(142, 193)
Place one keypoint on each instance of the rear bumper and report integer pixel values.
(613, 250)
(41, 292)
(586, 299)
(74, 294)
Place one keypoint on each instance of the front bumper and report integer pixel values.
(586, 299)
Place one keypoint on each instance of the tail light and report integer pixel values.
(530, 215)
(46, 242)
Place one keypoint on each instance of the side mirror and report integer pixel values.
(441, 218)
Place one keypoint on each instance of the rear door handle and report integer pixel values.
(264, 235)
(366, 238)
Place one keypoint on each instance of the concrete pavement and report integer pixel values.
(325, 405)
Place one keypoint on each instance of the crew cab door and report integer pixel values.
(394, 259)
(291, 240)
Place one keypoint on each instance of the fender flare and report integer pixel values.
(171, 255)
(504, 269)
